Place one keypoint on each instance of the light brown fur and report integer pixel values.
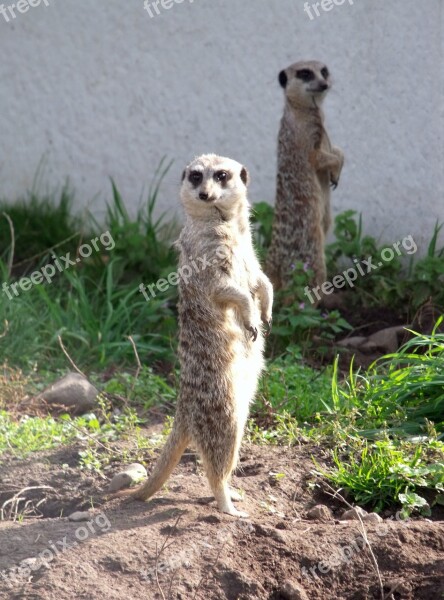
(221, 308)
(307, 166)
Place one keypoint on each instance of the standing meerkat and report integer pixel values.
(223, 299)
(307, 166)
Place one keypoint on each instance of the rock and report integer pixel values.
(131, 474)
(73, 393)
(265, 531)
(320, 512)
(352, 514)
(292, 591)
(372, 518)
(385, 340)
(80, 516)
(352, 342)
(213, 519)
(31, 563)
(398, 585)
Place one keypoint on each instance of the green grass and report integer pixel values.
(94, 306)
(292, 387)
(400, 392)
(32, 226)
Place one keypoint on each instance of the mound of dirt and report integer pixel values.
(177, 546)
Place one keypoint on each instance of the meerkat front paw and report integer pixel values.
(268, 322)
(336, 170)
(253, 330)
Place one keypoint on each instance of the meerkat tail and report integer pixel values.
(171, 454)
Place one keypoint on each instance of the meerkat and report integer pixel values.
(307, 166)
(223, 306)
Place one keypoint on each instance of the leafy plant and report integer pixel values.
(262, 220)
(384, 472)
(403, 391)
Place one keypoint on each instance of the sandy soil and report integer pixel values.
(278, 553)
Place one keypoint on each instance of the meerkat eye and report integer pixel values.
(196, 177)
(325, 73)
(305, 75)
(221, 176)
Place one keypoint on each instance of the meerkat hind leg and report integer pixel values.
(235, 495)
(218, 473)
(222, 494)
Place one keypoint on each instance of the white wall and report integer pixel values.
(100, 89)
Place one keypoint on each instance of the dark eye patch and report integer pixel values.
(325, 73)
(222, 177)
(305, 75)
(195, 177)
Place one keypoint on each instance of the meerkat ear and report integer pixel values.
(183, 175)
(245, 176)
(283, 78)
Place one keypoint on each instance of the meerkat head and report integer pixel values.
(306, 83)
(212, 183)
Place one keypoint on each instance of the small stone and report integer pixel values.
(352, 514)
(31, 563)
(398, 585)
(352, 342)
(73, 393)
(131, 474)
(213, 519)
(292, 591)
(387, 339)
(80, 516)
(320, 512)
(372, 518)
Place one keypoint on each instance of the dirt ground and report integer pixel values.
(278, 553)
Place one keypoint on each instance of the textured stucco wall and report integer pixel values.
(100, 89)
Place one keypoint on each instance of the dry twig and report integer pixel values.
(335, 494)
(65, 352)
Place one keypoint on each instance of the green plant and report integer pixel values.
(403, 391)
(145, 391)
(398, 283)
(36, 226)
(262, 220)
(144, 243)
(95, 305)
(383, 473)
(290, 386)
(296, 322)
(92, 317)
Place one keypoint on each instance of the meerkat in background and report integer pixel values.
(221, 306)
(307, 166)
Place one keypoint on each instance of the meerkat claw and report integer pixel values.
(253, 331)
(268, 325)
